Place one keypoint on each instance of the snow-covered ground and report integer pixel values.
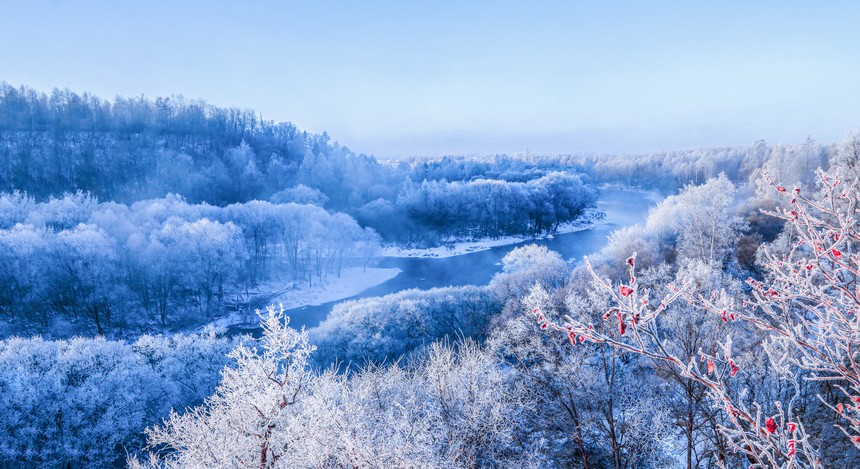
(352, 281)
(291, 294)
(589, 218)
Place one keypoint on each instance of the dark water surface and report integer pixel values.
(622, 207)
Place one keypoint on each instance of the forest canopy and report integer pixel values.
(126, 217)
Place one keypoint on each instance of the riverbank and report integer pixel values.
(622, 208)
(590, 217)
(294, 295)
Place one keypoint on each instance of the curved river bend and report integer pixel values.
(622, 207)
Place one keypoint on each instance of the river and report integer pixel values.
(623, 207)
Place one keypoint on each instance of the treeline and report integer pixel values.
(665, 170)
(159, 262)
(132, 149)
(385, 328)
(670, 170)
(136, 148)
(439, 210)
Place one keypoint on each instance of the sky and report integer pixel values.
(405, 78)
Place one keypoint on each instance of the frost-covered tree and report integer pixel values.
(246, 421)
(84, 275)
(454, 408)
(64, 213)
(14, 208)
(87, 401)
(525, 266)
(300, 194)
(845, 161)
(384, 328)
(590, 410)
(793, 164)
(806, 306)
(259, 222)
(701, 218)
(23, 254)
(211, 254)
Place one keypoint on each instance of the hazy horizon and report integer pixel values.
(397, 80)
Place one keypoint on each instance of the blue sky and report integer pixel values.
(406, 78)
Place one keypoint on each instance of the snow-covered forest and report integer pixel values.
(721, 331)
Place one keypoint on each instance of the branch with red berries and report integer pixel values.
(810, 301)
(636, 330)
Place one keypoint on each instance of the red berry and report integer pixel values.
(780, 188)
(625, 290)
(733, 367)
(733, 411)
(770, 425)
(836, 253)
(710, 367)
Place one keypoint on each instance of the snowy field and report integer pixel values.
(589, 218)
(291, 294)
